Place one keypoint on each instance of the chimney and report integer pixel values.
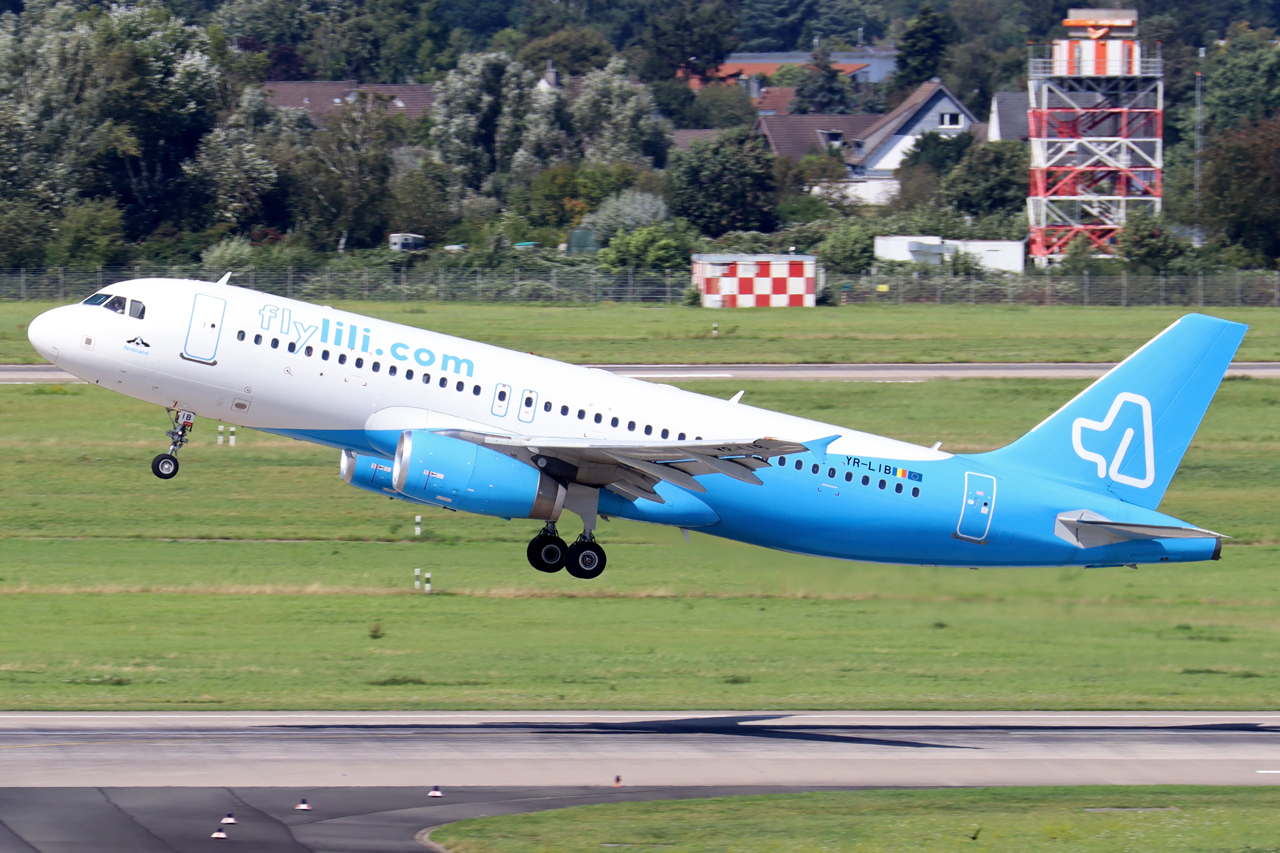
(551, 76)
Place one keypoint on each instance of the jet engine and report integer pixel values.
(371, 473)
(450, 472)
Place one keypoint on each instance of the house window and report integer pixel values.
(949, 120)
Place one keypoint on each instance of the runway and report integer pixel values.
(299, 749)
(143, 781)
(29, 374)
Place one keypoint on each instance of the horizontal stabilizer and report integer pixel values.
(1089, 530)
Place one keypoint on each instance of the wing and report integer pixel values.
(632, 469)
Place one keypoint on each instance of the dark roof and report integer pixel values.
(794, 136)
(685, 137)
(891, 122)
(1009, 115)
(775, 101)
(321, 97)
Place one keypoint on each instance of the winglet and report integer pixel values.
(226, 278)
(736, 397)
(818, 447)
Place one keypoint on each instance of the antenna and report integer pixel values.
(1198, 233)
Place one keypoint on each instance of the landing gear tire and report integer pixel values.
(547, 553)
(585, 560)
(165, 466)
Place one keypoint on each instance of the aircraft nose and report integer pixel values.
(44, 333)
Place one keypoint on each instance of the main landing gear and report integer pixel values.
(165, 466)
(584, 559)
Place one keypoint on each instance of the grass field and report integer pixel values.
(634, 334)
(254, 578)
(996, 820)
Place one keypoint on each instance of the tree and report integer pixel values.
(989, 179)
(692, 37)
(479, 117)
(1241, 188)
(90, 234)
(616, 120)
(1147, 242)
(625, 212)
(725, 185)
(922, 47)
(719, 106)
(823, 89)
(849, 248)
(574, 51)
(1243, 85)
(346, 172)
(419, 193)
(938, 152)
(546, 136)
(654, 247)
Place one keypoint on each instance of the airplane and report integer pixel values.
(435, 420)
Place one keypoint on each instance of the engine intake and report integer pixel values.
(450, 472)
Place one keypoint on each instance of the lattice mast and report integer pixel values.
(1097, 125)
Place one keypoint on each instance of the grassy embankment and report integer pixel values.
(634, 334)
(992, 820)
(253, 579)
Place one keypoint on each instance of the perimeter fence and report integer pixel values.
(1244, 288)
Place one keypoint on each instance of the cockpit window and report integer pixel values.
(116, 304)
(97, 299)
(137, 309)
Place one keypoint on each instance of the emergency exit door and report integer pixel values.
(206, 325)
(978, 507)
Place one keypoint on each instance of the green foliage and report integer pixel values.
(718, 106)
(1242, 186)
(1243, 85)
(940, 153)
(922, 47)
(574, 51)
(420, 201)
(804, 207)
(788, 74)
(783, 25)
(823, 89)
(850, 248)
(90, 234)
(654, 247)
(989, 179)
(690, 37)
(24, 230)
(725, 185)
(1148, 244)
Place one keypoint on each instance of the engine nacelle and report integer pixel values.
(450, 472)
(371, 474)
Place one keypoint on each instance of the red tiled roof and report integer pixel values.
(321, 97)
(775, 101)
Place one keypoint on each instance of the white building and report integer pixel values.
(1000, 255)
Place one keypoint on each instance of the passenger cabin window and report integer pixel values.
(359, 362)
(815, 468)
(308, 351)
(866, 481)
(460, 386)
(848, 476)
(116, 304)
(631, 426)
(613, 422)
(97, 299)
(376, 367)
(666, 432)
(293, 346)
(546, 407)
(324, 355)
(444, 382)
(257, 339)
(648, 430)
(564, 410)
(408, 374)
(599, 417)
(137, 310)
(342, 358)
(391, 371)
(240, 335)
(475, 390)
(799, 464)
(275, 343)
(680, 437)
(582, 413)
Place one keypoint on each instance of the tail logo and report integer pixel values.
(1102, 426)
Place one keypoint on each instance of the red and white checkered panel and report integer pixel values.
(757, 284)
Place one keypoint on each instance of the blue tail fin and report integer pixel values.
(1126, 433)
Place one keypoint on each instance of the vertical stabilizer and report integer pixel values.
(1126, 433)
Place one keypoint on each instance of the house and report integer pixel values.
(773, 100)
(871, 146)
(1009, 117)
(321, 97)
(869, 64)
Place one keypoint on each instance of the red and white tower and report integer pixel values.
(1097, 124)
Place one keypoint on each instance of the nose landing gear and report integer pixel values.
(165, 466)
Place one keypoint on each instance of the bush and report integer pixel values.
(655, 247)
(90, 234)
(625, 212)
